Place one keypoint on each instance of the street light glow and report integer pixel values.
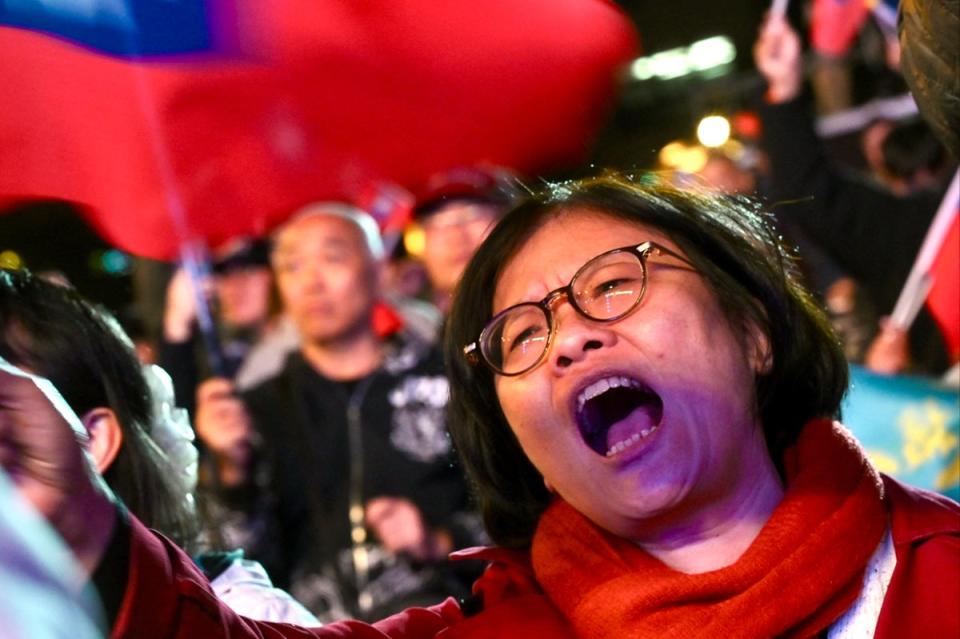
(713, 131)
(702, 55)
(10, 259)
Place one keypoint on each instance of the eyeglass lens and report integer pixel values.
(606, 288)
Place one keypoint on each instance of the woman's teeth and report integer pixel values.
(603, 385)
(630, 441)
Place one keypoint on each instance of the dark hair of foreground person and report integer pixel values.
(53, 332)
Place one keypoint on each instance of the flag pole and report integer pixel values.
(194, 256)
(195, 260)
(919, 281)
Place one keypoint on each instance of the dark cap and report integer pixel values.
(488, 185)
(241, 253)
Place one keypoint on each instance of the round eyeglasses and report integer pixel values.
(605, 289)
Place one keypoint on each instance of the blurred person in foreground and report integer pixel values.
(642, 396)
(929, 32)
(872, 231)
(138, 441)
(43, 591)
(338, 472)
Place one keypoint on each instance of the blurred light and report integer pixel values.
(414, 240)
(680, 157)
(703, 55)
(10, 260)
(713, 130)
(710, 53)
(649, 178)
(115, 262)
(668, 65)
(747, 125)
(734, 150)
(641, 69)
(693, 160)
(672, 154)
(112, 262)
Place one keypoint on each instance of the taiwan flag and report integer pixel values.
(935, 276)
(169, 122)
(127, 28)
(943, 300)
(835, 25)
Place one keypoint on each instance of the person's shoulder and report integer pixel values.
(918, 515)
(272, 398)
(508, 574)
(275, 386)
(267, 357)
(508, 601)
(921, 600)
(409, 354)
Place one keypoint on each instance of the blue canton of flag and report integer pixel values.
(122, 27)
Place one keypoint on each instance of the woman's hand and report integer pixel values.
(41, 454)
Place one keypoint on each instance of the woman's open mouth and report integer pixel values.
(616, 412)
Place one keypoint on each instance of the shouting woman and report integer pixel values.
(643, 398)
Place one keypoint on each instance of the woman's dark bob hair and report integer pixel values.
(53, 332)
(735, 248)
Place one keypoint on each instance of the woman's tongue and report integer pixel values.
(642, 418)
(619, 415)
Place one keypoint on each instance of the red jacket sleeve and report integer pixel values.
(923, 598)
(167, 596)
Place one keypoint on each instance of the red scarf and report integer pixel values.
(800, 574)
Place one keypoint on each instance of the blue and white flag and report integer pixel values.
(909, 426)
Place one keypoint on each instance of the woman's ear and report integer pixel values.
(758, 349)
(106, 436)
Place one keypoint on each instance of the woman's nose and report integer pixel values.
(576, 336)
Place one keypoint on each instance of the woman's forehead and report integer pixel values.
(553, 254)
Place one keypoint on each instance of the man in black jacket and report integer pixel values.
(343, 460)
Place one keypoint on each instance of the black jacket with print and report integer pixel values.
(326, 446)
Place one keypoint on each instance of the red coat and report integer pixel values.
(168, 597)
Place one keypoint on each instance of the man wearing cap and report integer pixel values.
(456, 211)
(241, 291)
(344, 455)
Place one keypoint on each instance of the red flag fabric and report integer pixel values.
(835, 24)
(386, 320)
(331, 97)
(943, 300)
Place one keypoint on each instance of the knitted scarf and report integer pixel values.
(798, 576)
